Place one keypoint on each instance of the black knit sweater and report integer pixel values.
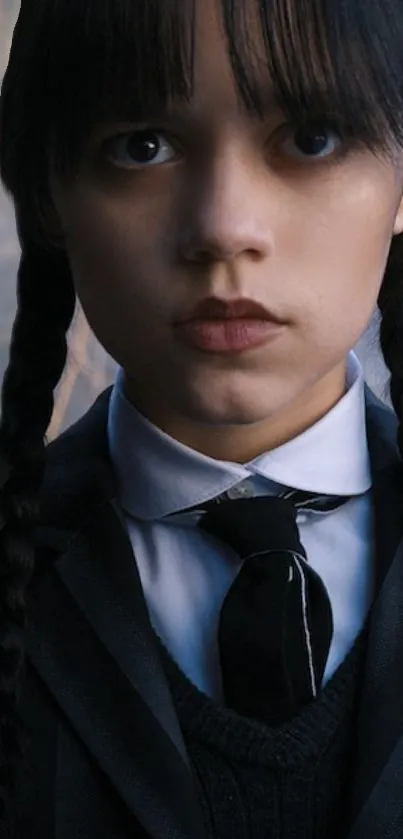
(257, 782)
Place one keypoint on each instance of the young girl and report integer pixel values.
(202, 581)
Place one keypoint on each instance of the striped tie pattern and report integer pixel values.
(310, 502)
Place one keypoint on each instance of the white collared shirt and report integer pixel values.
(186, 573)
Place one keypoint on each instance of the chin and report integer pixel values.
(221, 411)
(228, 398)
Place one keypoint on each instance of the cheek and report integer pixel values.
(113, 256)
(114, 289)
(341, 251)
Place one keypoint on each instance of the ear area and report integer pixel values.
(398, 225)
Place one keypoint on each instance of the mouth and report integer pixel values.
(220, 326)
(215, 308)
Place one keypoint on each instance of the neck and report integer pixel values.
(241, 444)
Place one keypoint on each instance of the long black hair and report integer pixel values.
(76, 62)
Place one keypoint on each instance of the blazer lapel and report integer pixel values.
(377, 801)
(93, 646)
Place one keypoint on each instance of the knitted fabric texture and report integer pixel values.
(257, 782)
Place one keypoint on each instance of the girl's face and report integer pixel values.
(210, 201)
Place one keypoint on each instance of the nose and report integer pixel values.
(225, 215)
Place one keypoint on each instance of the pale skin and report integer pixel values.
(230, 208)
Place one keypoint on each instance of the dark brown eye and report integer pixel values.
(143, 147)
(140, 148)
(312, 143)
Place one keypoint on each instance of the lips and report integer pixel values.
(228, 326)
(214, 308)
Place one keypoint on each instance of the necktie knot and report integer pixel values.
(251, 526)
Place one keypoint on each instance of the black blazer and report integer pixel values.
(106, 752)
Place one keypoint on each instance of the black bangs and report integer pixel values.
(339, 60)
(113, 59)
(336, 59)
(77, 62)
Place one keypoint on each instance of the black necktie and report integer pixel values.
(276, 621)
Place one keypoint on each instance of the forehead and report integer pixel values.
(210, 52)
(212, 71)
(213, 34)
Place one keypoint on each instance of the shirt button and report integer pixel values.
(244, 490)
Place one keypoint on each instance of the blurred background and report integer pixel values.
(89, 369)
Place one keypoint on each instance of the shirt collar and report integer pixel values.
(158, 476)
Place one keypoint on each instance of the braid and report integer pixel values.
(38, 350)
(390, 303)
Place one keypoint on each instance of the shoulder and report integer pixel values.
(78, 478)
(76, 460)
